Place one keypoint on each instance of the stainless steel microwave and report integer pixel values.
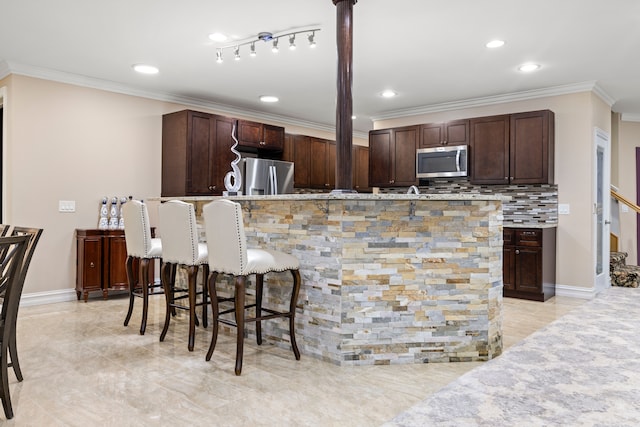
(441, 162)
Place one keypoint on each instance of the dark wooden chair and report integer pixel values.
(181, 249)
(11, 284)
(34, 236)
(140, 246)
(228, 254)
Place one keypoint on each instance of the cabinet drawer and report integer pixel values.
(529, 237)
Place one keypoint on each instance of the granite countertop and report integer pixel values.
(354, 196)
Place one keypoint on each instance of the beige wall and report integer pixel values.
(628, 141)
(576, 116)
(66, 142)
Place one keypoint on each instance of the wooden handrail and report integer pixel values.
(624, 200)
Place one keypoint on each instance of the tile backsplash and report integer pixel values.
(529, 204)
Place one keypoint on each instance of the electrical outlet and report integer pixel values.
(564, 209)
(66, 206)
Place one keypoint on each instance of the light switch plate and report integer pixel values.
(564, 209)
(66, 206)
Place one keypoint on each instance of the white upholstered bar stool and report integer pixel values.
(142, 247)
(228, 254)
(181, 249)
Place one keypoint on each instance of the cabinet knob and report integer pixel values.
(263, 143)
(212, 187)
(444, 142)
(392, 181)
(91, 264)
(517, 251)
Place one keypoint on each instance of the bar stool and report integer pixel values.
(228, 254)
(142, 247)
(180, 249)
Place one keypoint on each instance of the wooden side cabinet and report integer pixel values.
(529, 263)
(100, 262)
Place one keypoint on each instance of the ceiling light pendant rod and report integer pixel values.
(344, 108)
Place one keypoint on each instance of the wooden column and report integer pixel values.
(344, 109)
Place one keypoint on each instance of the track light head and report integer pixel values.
(219, 56)
(275, 49)
(252, 52)
(292, 42)
(312, 40)
(236, 53)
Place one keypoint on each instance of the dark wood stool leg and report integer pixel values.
(168, 284)
(213, 297)
(6, 398)
(259, 288)
(205, 293)
(292, 312)
(13, 353)
(132, 288)
(193, 277)
(144, 282)
(239, 313)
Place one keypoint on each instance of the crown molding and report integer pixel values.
(7, 68)
(625, 117)
(590, 86)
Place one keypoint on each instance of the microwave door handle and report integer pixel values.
(458, 160)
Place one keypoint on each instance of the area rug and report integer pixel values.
(581, 370)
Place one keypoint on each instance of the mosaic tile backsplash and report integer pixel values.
(529, 204)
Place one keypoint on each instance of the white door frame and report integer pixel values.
(601, 208)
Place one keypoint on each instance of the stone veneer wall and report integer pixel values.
(386, 281)
(530, 204)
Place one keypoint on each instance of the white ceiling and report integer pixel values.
(430, 51)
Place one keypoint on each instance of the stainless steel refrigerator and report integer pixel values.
(264, 177)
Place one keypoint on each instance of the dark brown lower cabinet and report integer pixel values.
(529, 263)
(100, 262)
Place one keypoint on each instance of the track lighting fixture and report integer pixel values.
(268, 37)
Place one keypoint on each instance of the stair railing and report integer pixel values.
(619, 197)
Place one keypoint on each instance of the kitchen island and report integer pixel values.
(386, 278)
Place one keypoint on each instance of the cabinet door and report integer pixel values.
(404, 155)
(89, 264)
(456, 132)
(508, 267)
(380, 158)
(200, 152)
(250, 134)
(302, 161)
(431, 135)
(528, 271)
(360, 168)
(116, 252)
(531, 149)
(319, 174)
(273, 138)
(287, 149)
(490, 150)
(221, 163)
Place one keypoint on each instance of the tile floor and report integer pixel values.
(82, 367)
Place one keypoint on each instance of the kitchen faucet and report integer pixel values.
(413, 189)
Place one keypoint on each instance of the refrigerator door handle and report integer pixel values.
(274, 179)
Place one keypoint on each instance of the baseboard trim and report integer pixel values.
(575, 292)
(49, 297)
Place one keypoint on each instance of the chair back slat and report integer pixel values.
(226, 240)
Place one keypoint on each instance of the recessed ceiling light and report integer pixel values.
(528, 67)
(145, 69)
(269, 98)
(389, 93)
(353, 117)
(217, 37)
(495, 43)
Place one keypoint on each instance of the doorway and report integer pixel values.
(602, 208)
